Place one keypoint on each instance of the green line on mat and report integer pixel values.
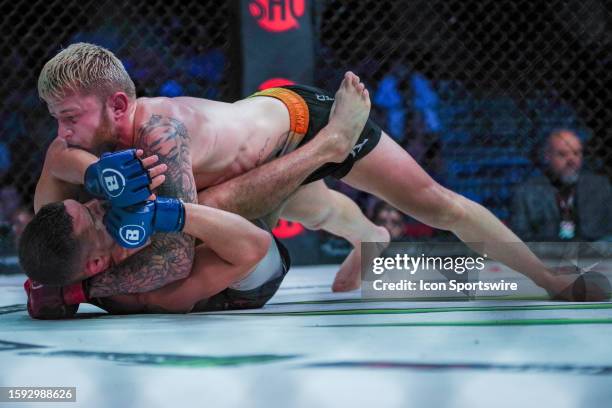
(510, 322)
(415, 299)
(444, 309)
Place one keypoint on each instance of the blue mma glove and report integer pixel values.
(131, 227)
(118, 177)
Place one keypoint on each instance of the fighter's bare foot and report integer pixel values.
(348, 115)
(349, 275)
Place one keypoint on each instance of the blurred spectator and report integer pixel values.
(388, 96)
(425, 101)
(5, 159)
(9, 202)
(390, 218)
(9, 198)
(21, 217)
(566, 203)
(425, 148)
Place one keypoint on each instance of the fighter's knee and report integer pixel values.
(317, 220)
(448, 208)
(455, 211)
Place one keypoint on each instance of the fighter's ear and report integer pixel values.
(118, 104)
(97, 264)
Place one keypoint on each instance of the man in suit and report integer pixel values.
(566, 203)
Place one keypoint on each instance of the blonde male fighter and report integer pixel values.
(319, 207)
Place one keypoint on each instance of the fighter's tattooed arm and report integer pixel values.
(170, 256)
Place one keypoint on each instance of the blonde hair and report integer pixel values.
(84, 68)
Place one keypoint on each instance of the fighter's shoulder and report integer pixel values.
(152, 113)
(158, 106)
(194, 114)
(160, 125)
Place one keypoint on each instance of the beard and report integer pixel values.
(569, 179)
(562, 180)
(103, 140)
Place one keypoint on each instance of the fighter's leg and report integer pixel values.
(390, 173)
(318, 207)
(257, 192)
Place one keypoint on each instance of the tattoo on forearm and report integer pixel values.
(163, 262)
(170, 256)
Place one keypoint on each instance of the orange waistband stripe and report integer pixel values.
(298, 115)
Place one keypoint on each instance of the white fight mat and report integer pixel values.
(311, 348)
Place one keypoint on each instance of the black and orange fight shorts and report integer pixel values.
(309, 110)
